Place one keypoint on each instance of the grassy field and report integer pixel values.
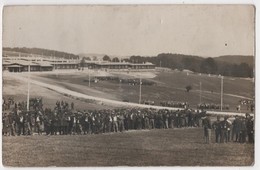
(171, 147)
(18, 90)
(169, 86)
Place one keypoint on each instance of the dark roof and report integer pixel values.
(14, 65)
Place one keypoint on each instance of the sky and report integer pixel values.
(203, 30)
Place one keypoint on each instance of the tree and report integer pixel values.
(115, 59)
(94, 58)
(82, 62)
(87, 58)
(209, 66)
(188, 88)
(106, 58)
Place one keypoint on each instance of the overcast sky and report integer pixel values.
(207, 31)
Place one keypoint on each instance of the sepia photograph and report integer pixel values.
(128, 85)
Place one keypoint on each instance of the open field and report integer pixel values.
(171, 147)
(169, 86)
(17, 89)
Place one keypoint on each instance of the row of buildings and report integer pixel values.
(22, 64)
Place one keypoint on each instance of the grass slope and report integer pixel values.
(172, 147)
(170, 86)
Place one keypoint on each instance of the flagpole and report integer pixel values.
(140, 91)
(28, 86)
(88, 77)
(200, 92)
(221, 100)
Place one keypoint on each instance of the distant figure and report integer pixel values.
(238, 108)
(72, 106)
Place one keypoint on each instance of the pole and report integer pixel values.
(140, 91)
(221, 100)
(28, 86)
(160, 63)
(200, 92)
(88, 78)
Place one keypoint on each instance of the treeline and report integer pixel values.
(44, 52)
(196, 64)
(169, 60)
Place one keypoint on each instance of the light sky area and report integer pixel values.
(203, 30)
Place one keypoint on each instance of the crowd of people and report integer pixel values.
(241, 129)
(175, 104)
(64, 119)
(212, 106)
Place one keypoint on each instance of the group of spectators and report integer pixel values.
(212, 106)
(64, 119)
(7, 103)
(250, 104)
(133, 82)
(175, 104)
(240, 129)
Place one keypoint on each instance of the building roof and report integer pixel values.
(23, 63)
(62, 63)
(142, 64)
(111, 63)
(15, 66)
(44, 64)
(124, 63)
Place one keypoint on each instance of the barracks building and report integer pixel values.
(22, 64)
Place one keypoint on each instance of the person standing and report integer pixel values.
(121, 122)
(115, 123)
(250, 129)
(243, 130)
(236, 125)
(207, 129)
(217, 126)
(225, 128)
(38, 123)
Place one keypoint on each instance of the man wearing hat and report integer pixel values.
(217, 126)
(225, 126)
(236, 125)
(206, 123)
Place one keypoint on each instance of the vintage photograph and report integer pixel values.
(128, 85)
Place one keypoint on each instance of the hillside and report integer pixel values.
(44, 52)
(230, 65)
(236, 59)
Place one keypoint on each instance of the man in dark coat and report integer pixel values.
(243, 131)
(250, 129)
(236, 129)
(225, 125)
(217, 126)
(206, 123)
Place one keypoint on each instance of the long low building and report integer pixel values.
(118, 65)
(39, 64)
(21, 66)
